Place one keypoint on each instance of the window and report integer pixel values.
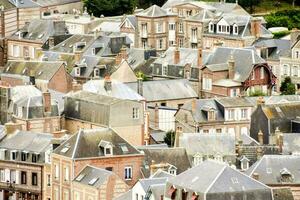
(136, 196)
(207, 84)
(109, 168)
(108, 151)
(211, 115)
(135, 113)
(23, 178)
(2, 175)
(128, 173)
(244, 113)
(235, 29)
(34, 179)
(56, 171)
(197, 160)
(13, 176)
(206, 131)
(77, 71)
(219, 130)
(297, 54)
(159, 43)
(66, 174)
(285, 70)
(159, 27)
(142, 197)
(180, 27)
(26, 51)
(172, 171)
(24, 156)
(295, 71)
(34, 157)
(96, 72)
(2, 154)
(180, 40)
(144, 43)
(172, 26)
(211, 27)
(165, 70)
(262, 73)
(48, 180)
(16, 51)
(231, 114)
(180, 12)
(194, 35)
(13, 155)
(234, 92)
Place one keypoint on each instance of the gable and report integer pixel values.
(124, 73)
(223, 22)
(127, 24)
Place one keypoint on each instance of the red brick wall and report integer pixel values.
(61, 81)
(12, 81)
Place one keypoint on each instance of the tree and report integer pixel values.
(110, 7)
(257, 93)
(248, 4)
(170, 138)
(287, 87)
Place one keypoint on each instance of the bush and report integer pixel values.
(257, 93)
(285, 18)
(280, 34)
(170, 138)
(287, 87)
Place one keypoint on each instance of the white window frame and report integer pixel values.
(135, 113)
(295, 71)
(211, 27)
(159, 27)
(235, 30)
(172, 26)
(128, 173)
(165, 70)
(180, 27)
(244, 113)
(231, 114)
(96, 72)
(56, 167)
(67, 173)
(207, 84)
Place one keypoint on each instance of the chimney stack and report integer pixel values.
(176, 56)
(140, 86)
(279, 138)
(107, 83)
(200, 57)
(260, 137)
(255, 27)
(12, 127)
(47, 101)
(156, 116)
(122, 55)
(194, 105)
(231, 67)
(260, 100)
(178, 134)
(76, 86)
(51, 42)
(255, 176)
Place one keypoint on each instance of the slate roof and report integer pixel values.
(146, 183)
(228, 102)
(67, 46)
(124, 73)
(91, 172)
(208, 144)
(269, 168)
(41, 30)
(248, 140)
(203, 16)
(85, 144)
(125, 196)
(153, 11)
(160, 90)
(27, 141)
(287, 111)
(2, 132)
(276, 47)
(245, 59)
(41, 70)
(174, 156)
(137, 58)
(40, 3)
(156, 191)
(211, 178)
(291, 143)
(119, 90)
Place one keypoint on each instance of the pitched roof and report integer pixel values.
(40, 3)
(276, 47)
(146, 183)
(291, 143)
(124, 73)
(42, 70)
(85, 144)
(270, 167)
(159, 90)
(119, 90)
(210, 177)
(229, 102)
(284, 110)
(153, 11)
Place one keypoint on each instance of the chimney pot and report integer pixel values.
(176, 55)
(47, 101)
(107, 83)
(260, 137)
(140, 86)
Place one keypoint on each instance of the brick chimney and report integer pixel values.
(176, 56)
(259, 153)
(122, 55)
(77, 56)
(12, 127)
(255, 176)
(107, 83)
(178, 134)
(231, 67)
(156, 116)
(200, 57)
(47, 102)
(194, 105)
(260, 137)
(256, 27)
(140, 86)
(51, 42)
(279, 138)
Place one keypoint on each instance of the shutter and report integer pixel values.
(17, 177)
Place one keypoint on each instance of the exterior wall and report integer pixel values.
(61, 81)
(27, 15)
(287, 68)
(259, 122)
(138, 192)
(47, 182)
(42, 125)
(21, 44)
(73, 125)
(188, 39)
(210, 42)
(8, 22)
(27, 189)
(63, 8)
(12, 81)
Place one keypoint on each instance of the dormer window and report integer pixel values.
(2, 154)
(218, 158)
(286, 176)
(244, 163)
(211, 115)
(172, 170)
(198, 158)
(211, 27)
(96, 72)
(34, 157)
(24, 156)
(13, 155)
(106, 147)
(77, 71)
(235, 29)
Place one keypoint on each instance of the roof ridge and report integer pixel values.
(76, 143)
(213, 182)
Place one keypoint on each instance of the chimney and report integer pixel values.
(194, 105)
(77, 56)
(255, 176)
(152, 167)
(76, 86)
(200, 57)
(295, 36)
(260, 137)
(59, 134)
(140, 86)
(12, 127)
(260, 101)
(255, 27)
(38, 52)
(122, 55)
(176, 56)
(107, 84)
(47, 101)
(178, 134)
(156, 116)
(231, 67)
(279, 138)
(259, 152)
(51, 42)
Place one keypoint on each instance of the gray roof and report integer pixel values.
(271, 167)
(146, 183)
(291, 143)
(85, 144)
(157, 190)
(90, 173)
(210, 177)
(27, 141)
(125, 196)
(158, 136)
(160, 90)
(173, 156)
(161, 174)
(40, 3)
(119, 90)
(153, 11)
(208, 144)
(248, 140)
(2, 132)
(276, 47)
(228, 102)
(276, 99)
(245, 59)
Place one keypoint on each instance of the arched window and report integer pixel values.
(262, 73)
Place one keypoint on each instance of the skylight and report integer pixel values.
(93, 181)
(124, 148)
(80, 177)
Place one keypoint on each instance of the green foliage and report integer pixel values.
(280, 34)
(287, 87)
(170, 138)
(110, 7)
(141, 75)
(147, 3)
(257, 93)
(247, 4)
(285, 18)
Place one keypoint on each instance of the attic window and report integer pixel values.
(41, 35)
(234, 180)
(286, 176)
(93, 181)
(235, 29)
(24, 70)
(65, 149)
(96, 72)
(106, 147)
(124, 148)
(77, 71)
(80, 177)
(172, 170)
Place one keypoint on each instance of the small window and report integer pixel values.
(34, 179)
(262, 73)
(24, 156)
(244, 113)
(135, 113)
(96, 72)
(48, 180)
(34, 157)
(23, 178)
(56, 171)
(165, 70)
(108, 151)
(128, 173)
(13, 155)
(77, 71)
(67, 174)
